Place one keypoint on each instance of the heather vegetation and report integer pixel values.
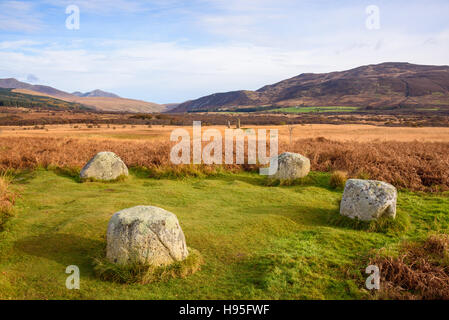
(417, 270)
(7, 198)
(418, 166)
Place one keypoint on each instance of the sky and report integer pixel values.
(172, 51)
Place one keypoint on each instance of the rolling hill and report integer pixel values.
(96, 99)
(12, 83)
(383, 85)
(9, 98)
(119, 104)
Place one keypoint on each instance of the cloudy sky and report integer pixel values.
(171, 51)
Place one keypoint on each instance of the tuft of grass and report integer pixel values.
(338, 179)
(382, 225)
(144, 274)
(363, 175)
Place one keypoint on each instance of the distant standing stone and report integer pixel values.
(145, 235)
(368, 200)
(291, 166)
(104, 166)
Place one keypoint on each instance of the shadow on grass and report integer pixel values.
(314, 216)
(248, 178)
(66, 249)
(254, 271)
(316, 179)
(140, 172)
(180, 172)
(23, 176)
(74, 174)
(282, 274)
(67, 172)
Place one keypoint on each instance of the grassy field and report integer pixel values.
(316, 109)
(343, 132)
(258, 242)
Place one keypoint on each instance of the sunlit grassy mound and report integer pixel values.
(143, 274)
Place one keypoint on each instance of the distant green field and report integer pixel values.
(258, 241)
(316, 109)
(428, 109)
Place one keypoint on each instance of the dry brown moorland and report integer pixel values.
(412, 158)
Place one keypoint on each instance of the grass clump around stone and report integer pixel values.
(144, 274)
(382, 225)
(120, 178)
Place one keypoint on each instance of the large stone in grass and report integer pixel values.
(145, 235)
(368, 200)
(291, 166)
(104, 166)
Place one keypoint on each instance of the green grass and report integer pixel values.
(316, 109)
(257, 241)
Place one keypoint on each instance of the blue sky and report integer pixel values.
(172, 51)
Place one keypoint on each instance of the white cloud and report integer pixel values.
(18, 44)
(104, 6)
(32, 78)
(171, 71)
(19, 16)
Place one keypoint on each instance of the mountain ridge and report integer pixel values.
(387, 84)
